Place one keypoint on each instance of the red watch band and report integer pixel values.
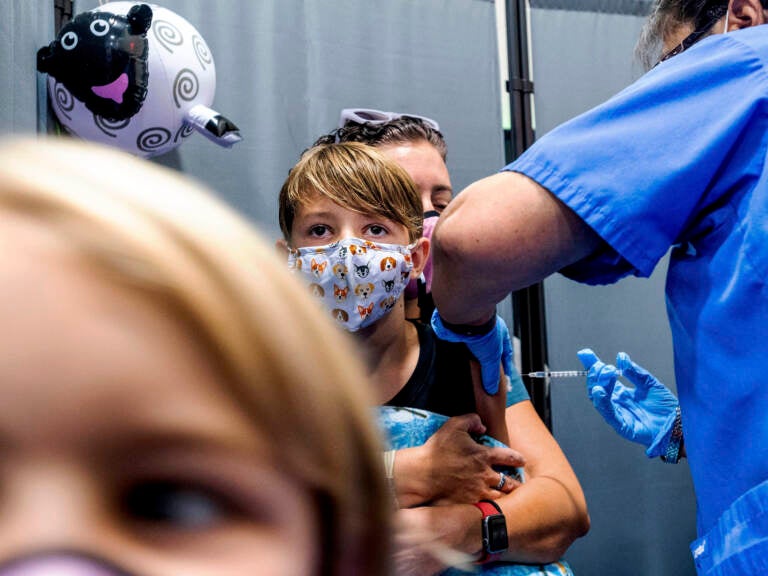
(490, 508)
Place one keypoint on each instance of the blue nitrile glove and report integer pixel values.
(644, 414)
(490, 349)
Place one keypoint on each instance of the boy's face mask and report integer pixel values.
(357, 280)
(59, 564)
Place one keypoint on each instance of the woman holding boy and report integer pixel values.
(352, 222)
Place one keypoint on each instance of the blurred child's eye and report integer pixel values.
(180, 505)
(376, 230)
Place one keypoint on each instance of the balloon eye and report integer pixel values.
(99, 27)
(69, 41)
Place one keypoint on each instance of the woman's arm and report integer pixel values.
(548, 512)
(452, 466)
(544, 515)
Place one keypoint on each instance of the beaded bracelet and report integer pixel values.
(389, 471)
(672, 453)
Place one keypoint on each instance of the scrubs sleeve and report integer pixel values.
(517, 392)
(646, 166)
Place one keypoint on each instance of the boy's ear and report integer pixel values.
(419, 256)
(745, 14)
(281, 247)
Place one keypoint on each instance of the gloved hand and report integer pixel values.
(490, 349)
(644, 414)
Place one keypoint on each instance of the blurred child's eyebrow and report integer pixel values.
(149, 444)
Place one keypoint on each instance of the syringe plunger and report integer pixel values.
(560, 373)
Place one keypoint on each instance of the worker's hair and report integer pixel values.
(667, 15)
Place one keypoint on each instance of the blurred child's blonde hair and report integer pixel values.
(150, 229)
(355, 176)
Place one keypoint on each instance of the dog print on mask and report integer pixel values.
(340, 271)
(363, 291)
(387, 263)
(340, 315)
(356, 250)
(387, 304)
(388, 285)
(365, 311)
(340, 293)
(317, 267)
(316, 290)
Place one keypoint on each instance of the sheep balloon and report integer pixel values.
(136, 76)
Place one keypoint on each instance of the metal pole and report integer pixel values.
(527, 304)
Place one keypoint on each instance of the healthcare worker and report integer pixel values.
(675, 160)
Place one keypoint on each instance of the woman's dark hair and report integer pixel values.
(402, 130)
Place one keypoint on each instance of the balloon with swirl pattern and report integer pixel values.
(136, 76)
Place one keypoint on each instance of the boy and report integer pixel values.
(352, 221)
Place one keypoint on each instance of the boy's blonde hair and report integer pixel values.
(296, 376)
(357, 177)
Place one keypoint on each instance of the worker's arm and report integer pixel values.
(500, 234)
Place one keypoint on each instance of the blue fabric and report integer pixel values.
(678, 160)
(517, 391)
(408, 427)
(738, 543)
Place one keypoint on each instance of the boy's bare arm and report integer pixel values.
(491, 408)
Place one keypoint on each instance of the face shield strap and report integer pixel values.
(704, 24)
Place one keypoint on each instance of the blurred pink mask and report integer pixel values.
(59, 564)
(412, 290)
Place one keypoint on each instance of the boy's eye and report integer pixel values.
(181, 505)
(318, 230)
(376, 230)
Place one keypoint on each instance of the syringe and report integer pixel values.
(560, 373)
(556, 374)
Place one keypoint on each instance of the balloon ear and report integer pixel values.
(139, 19)
(43, 58)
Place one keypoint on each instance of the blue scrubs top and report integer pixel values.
(677, 160)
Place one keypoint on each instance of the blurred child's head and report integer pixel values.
(172, 401)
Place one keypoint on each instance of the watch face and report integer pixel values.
(496, 529)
